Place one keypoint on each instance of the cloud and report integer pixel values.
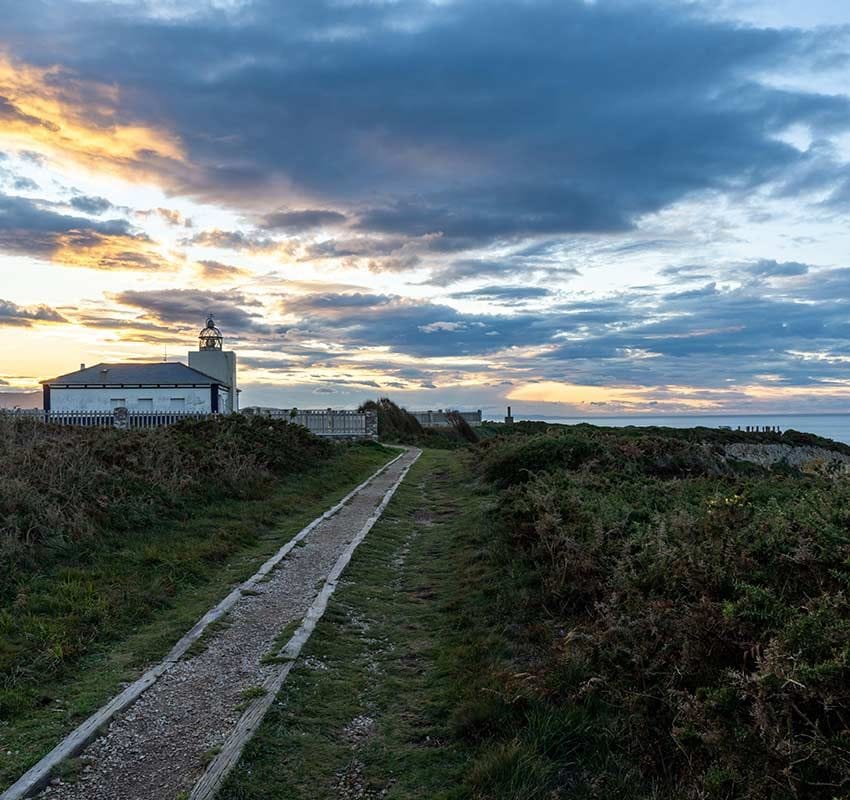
(28, 228)
(411, 327)
(90, 205)
(507, 267)
(618, 109)
(13, 314)
(169, 215)
(603, 133)
(55, 112)
(507, 295)
(188, 308)
(232, 240)
(768, 268)
(297, 221)
(215, 270)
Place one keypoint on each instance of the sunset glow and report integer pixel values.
(659, 227)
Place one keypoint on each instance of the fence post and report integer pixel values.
(372, 425)
(121, 418)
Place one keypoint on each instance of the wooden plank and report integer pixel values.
(39, 774)
(220, 767)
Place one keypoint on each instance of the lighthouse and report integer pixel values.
(212, 359)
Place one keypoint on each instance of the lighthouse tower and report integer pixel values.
(211, 359)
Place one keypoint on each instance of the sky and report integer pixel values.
(573, 207)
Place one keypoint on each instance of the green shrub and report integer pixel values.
(64, 484)
(697, 610)
(396, 424)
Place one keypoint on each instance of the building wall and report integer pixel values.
(221, 365)
(159, 399)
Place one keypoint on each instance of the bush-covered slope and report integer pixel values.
(64, 484)
(682, 624)
(115, 542)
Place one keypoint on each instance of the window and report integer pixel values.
(118, 402)
(145, 403)
(178, 403)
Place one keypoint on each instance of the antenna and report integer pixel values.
(165, 352)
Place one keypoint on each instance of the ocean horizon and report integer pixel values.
(831, 426)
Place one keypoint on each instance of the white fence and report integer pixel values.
(440, 418)
(327, 421)
(110, 419)
(324, 422)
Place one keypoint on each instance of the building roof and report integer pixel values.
(151, 374)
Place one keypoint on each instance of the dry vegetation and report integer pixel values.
(65, 484)
(102, 531)
(397, 424)
(679, 624)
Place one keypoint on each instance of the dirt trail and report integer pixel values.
(159, 747)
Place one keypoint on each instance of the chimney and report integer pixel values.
(82, 366)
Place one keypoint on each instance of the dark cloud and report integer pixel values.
(90, 205)
(168, 215)
(13, 314)
(709, 290)
(589, 116)
(185, 308)
(508, 267)
(688, 272)
(508, 295)
(27, 227)
(413, 327)
(768, 268)
(232, 240)
(38, 226)
(33, 157)
(297, 221)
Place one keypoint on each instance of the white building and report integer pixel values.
(207, 385)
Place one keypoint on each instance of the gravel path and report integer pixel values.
(160, 745)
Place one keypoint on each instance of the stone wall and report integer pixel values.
(800, 456)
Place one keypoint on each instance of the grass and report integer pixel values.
(386, 650)
(584, 613)
(284, 635)
(676, 625)
(581, 613)
(83, 625)
(69, 489)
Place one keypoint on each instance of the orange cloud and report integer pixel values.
(109, 252)
(49, 110)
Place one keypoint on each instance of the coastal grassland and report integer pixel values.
(370, 701)
(579, 613)
(680, 624)
(84, 608)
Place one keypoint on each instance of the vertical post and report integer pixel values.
(121, 418)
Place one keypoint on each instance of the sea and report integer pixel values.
(830, 426)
